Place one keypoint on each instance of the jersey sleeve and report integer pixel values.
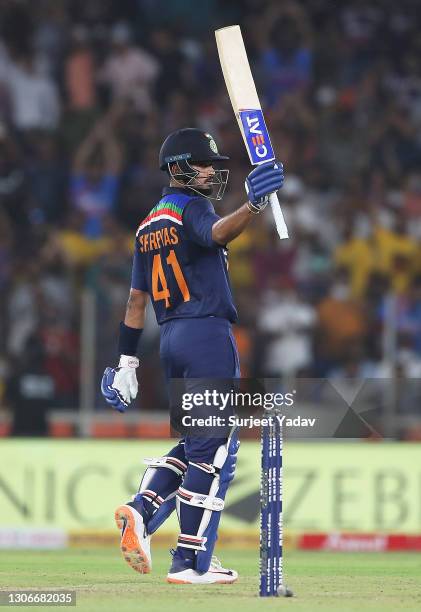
(198, 218)
(138, 270)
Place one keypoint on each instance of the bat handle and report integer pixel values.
(279, 217)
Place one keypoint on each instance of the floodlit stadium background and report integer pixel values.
(88, 91)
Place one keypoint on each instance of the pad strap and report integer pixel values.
(172, 463)
(153, 497)
(189, 541)
(205, 467)
(207, 502)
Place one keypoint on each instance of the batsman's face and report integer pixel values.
(206, 173)
(200, 177)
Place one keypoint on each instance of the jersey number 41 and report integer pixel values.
(160, 289)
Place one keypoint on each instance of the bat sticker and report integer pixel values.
(256, 135)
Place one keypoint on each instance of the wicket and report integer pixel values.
(271, 579)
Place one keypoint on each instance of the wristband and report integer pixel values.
(253, 209)
(128, 339)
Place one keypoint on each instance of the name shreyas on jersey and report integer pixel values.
(152, 241)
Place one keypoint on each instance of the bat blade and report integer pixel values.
(236, 68)
(246, 105)
(243, 94)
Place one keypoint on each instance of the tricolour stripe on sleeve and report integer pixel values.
(163, 210)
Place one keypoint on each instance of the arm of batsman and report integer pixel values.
(262, 181)
(119, 385)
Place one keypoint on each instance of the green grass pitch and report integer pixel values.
(321, 581)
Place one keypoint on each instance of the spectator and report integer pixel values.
(274, 259)
(95, 176)
(30, 391)
(288, 323)
(357, 256)
(61, 363)
(341, 325)
(286, 64)
(396, 253)
(6, 251)
(408, 315)
(46, 173)
(22, 313)
(80, 72)
(13, 187)
(171, 63)
(130, 72)
(71, 243)
(34, 97)
(412, 204)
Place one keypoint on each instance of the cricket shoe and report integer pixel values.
(135, 542)
(216, 574)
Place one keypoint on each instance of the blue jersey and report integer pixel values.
(177, 262)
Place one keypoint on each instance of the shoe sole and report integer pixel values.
(178, 581)
(130, 546)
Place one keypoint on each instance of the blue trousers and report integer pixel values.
(199, 348)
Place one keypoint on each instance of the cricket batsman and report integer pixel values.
(180, 262)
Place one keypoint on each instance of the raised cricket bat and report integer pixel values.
(247, 108)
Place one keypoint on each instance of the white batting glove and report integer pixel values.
(119, 385)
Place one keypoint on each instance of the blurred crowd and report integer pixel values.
(88, 91)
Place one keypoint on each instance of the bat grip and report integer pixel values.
(279, 217)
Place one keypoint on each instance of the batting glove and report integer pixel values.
(119, 385)
(261, 182)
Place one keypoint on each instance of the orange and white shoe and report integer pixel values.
(216, 574)
(135, 542)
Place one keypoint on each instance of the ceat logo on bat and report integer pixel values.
(256, 135)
